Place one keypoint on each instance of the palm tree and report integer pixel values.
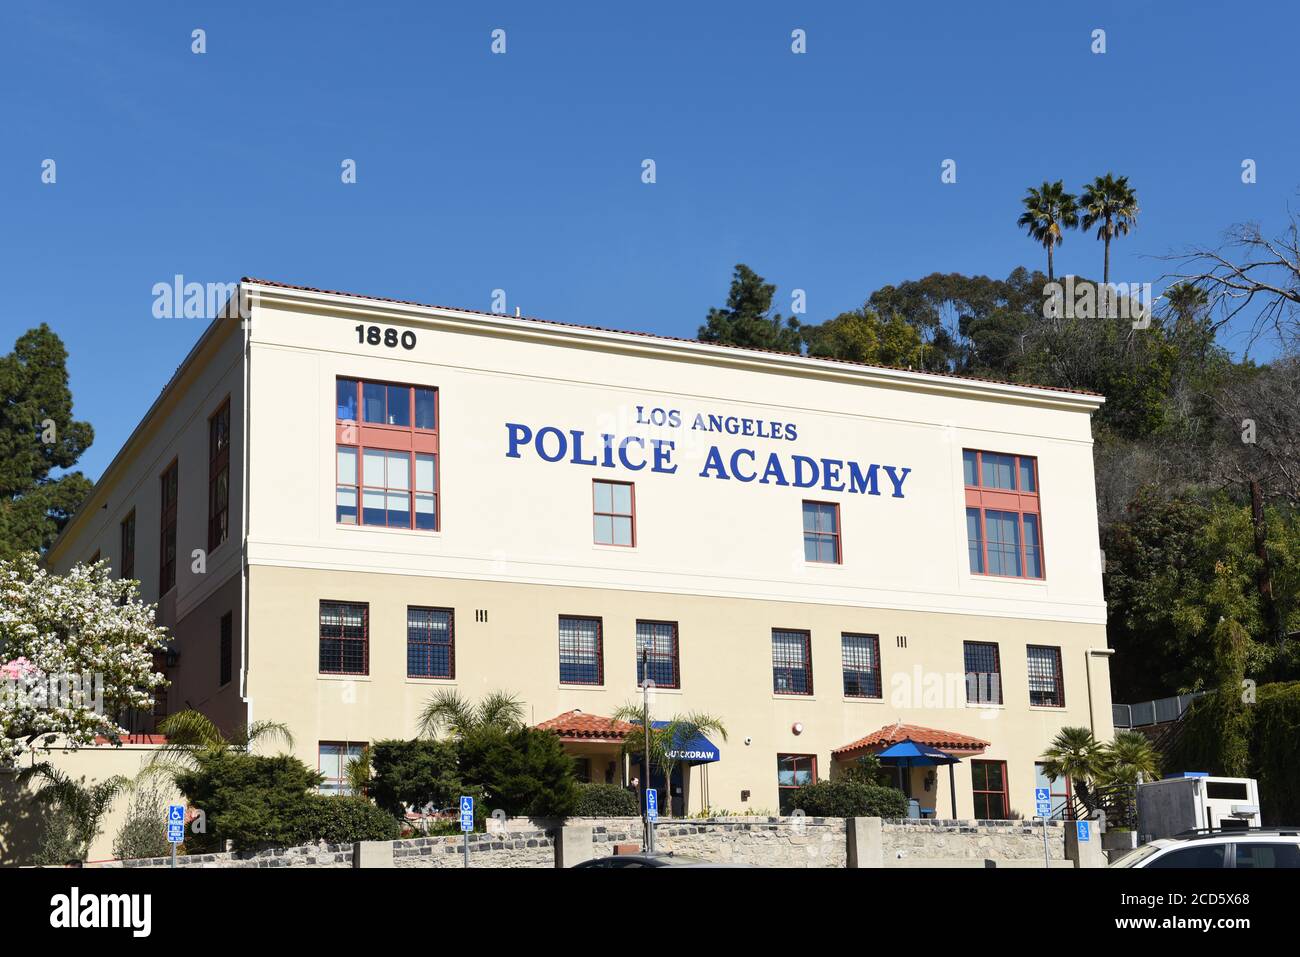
(1127, 757)
(191, 734)
(448, 711)
(1048, 211)
(1110, 201)
(83, 807)
(665, 742)
(1075, 754)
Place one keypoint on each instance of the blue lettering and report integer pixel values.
(799, 462)
(541, 446)
(577, 450)
(713, 461)
(735, 465)
(897, 479)
(863, 483)
(831, 480)
(622, 453)
(773, 468)
(517, 435)
(663, 456)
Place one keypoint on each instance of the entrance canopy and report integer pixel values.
(949, 742)
(696, 750)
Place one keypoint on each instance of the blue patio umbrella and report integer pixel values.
(909, 754)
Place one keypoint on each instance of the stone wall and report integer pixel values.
(931, 840)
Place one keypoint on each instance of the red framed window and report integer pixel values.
(989, 783)
(344, 638)
(167, 532)
(332, 761)
(861, 660)
(1046, 683)
(614, 513)
(219, 476)
(1004, 532)
(791, 662)
(582, 652)
(387, 459)
(126, 534)
(983, 672)
(656, 653)
(430, 643)
(793, 771)
(821, 532)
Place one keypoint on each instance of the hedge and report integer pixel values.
(605, 800)
(848, 797)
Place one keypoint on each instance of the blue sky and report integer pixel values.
(523, 171)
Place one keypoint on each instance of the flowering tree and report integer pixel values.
(75, 651)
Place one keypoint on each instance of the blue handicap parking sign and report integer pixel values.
(176, 814)
(176, 833)
(467, 814)
(652, 803)
(1042, 794)
(1084, 830)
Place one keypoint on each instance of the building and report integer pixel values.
(343, 503)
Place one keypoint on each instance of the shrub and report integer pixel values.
(605, 800)
(849, 797)
(342, 820)
(144, 832)
(414, 774)
(522, 771)
(251, 800)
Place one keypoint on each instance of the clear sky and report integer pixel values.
(523, 171)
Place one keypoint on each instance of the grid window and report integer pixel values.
(430, 643)
(791, 662)
(582, 660)
(332, 762)
(614, 512)
(983, 673)
(821, 532)
(861, 657)
(219, 476)
(128, 546)
(1003, 526)
(167, 534)
(227, 649)
(386, 462)
(657, 642)
(794, 771)
(989, 784)
(1046, 687)
(344, 638)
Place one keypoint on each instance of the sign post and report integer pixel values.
(1043, 809)
(466, 822)
(175, 827)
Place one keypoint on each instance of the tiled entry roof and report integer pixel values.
(891, 734)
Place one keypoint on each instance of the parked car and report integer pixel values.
(1267, 847)
(649, 860)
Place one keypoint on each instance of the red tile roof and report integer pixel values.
(891, 734)
(576, 726)
(651, 335)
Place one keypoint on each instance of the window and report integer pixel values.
(1268, 855)
(983, 673)
(1046, 686)
(861, 658)
(128, 545)
(791, 662)
(989, 782)
(167, 550)
(219, 476)
(332, 762)
(386, 462)
(614, 507)
(1058, 790)
(1003, 529)
(344, 638)
(821, 532)
(658, 641)
(227, 648)
(1200, 856)
(430, 643)
(582, 769)
(793, 771)
(582, 659)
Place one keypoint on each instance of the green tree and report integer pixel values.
(1075, 754)
(666, 742)
(861, 336)
(192, 735)
(523, 771)
(448, 713)
(37, 436)
(748, 320)
(1110, 204)
(144, 831)
(1049, 211)
(1128, 756)
(77, 810)
(414, 774)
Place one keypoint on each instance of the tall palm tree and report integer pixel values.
(191, 733)
(663, 749)
(1075, 754)
(84, 805)
(1109, 201)
(1049, 210)
(448, 711)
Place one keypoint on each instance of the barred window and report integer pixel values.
(983, 673)
(791, 662)
(582, 660)
(430, 643)
(658, 641)
(861, 658)
(344, 638)
(1046, 686)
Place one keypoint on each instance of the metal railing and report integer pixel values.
(1146, 713)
